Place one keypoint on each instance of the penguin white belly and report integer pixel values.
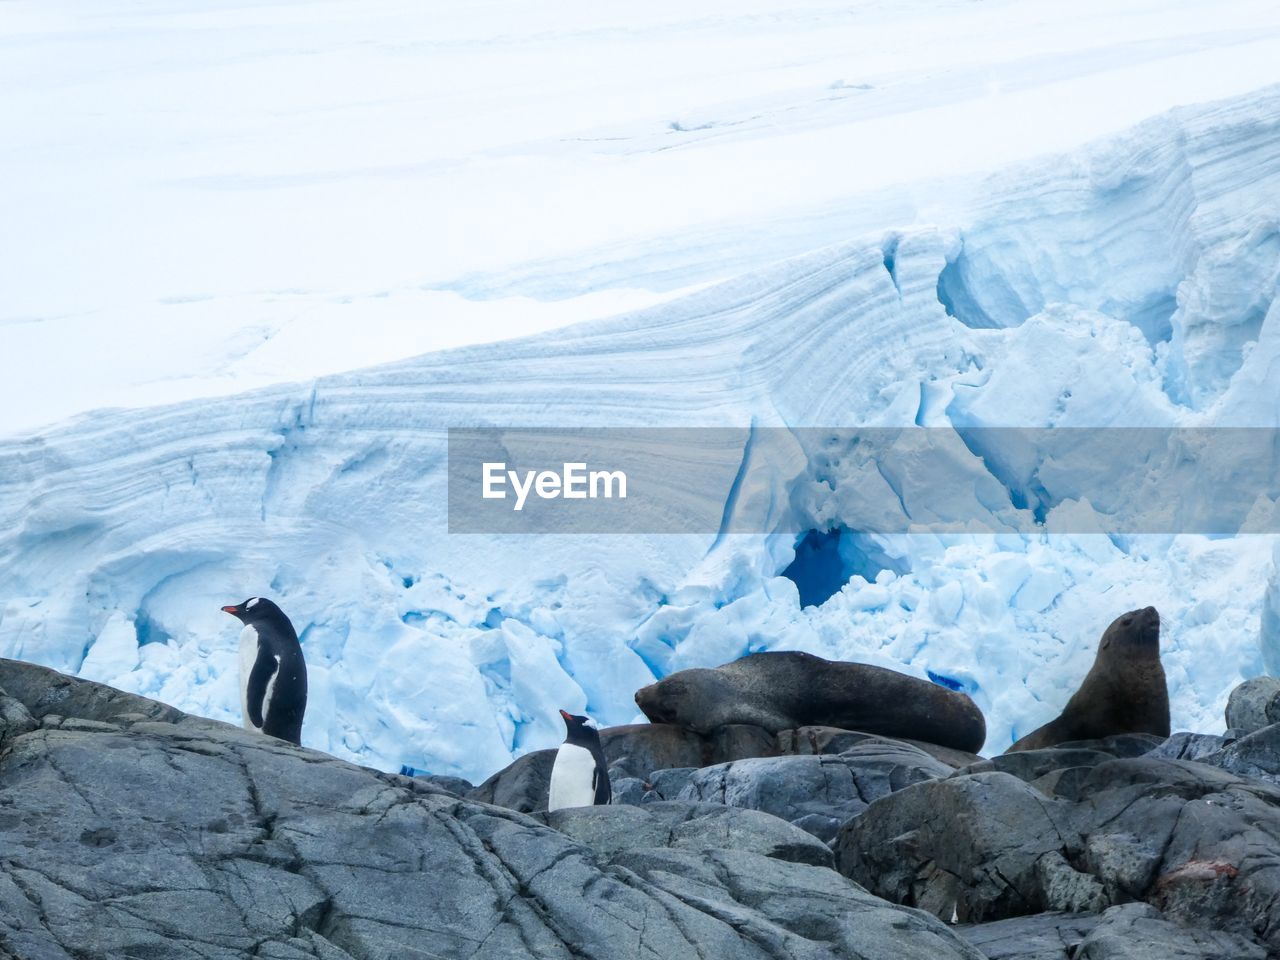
(248, 656)
(571, 778)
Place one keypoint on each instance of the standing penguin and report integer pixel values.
(580, 775)
(273, 674)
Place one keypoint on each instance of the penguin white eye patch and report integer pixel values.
(249, 605)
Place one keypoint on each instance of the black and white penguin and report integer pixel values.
(580, 774)
(273, 674)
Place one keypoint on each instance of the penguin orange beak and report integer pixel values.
(233, 610)
(566, 714)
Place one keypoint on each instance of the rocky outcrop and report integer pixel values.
(1134, 931)
(1185, 837)
(128, 829)
(1256, 756)
(817, 793)
(1253, 705)
(1191, 746)
(695, 827)
(656, 761)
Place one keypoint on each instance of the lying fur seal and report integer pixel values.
(1124, 692)
(782, 691)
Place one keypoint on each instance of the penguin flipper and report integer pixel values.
(601, 787)
(256, 694)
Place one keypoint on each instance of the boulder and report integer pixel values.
(1043, 936)
(816, 793)
(1256, 755)
(1254, 704)
(1191, 746)
(646, 760)
(1136, 931)
(980, 847)
(1044, 767)
(1196, 842)
(633, 751)
(826, 740)
(455, 785)
(1132, 931)
(694, 827)
(15, 719)
(520, 786)
(131, 830)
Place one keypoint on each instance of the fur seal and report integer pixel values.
(785, 690)
(1124, 692)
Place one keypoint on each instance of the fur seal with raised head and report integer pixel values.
(785, 690)
(1124, 692)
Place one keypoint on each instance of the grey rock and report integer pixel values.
(826, 740)
(520, 786)
(455, 785)
(1044, 936)
(1136, 931)
(1133, 931)
(641, 747)
(817, 793)
(1119, 745)
(1254, 704)
(1033, 765)
(631, 791)
(827, 922)
(676, 825)
(1196, 842)
(15, 719)
(668, 784)
(633, 751)
(640, 751)
(1255, 755)
(165, 836)
(45, 691)
(1191, 746)
(1062, 887)
(966, 846)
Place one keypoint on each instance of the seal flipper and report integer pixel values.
(264, 669)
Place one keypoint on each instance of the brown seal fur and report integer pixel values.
(1124, 692)
(785, 690)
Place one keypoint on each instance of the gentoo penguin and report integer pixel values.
(580, 775)
(273, 675)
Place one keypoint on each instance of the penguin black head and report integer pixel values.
(580, 730)
(256, 610)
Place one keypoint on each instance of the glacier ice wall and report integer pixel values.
(1130, 283)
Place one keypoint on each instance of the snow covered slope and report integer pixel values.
(213, 197)
(1129, 283)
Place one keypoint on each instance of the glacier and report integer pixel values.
(1130, 282)
(272, 191)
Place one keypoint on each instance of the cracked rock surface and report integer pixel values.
(813, 777)
(1198, 843)
(816, 793)
(128, 829)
